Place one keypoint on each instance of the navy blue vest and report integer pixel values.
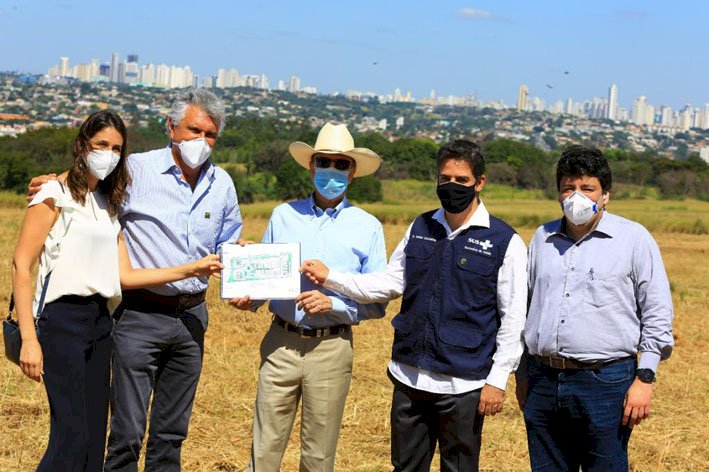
(448, 321)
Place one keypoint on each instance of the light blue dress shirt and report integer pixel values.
(345, 238)
(165, 223)
(603, 297)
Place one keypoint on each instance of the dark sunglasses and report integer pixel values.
(325, 162)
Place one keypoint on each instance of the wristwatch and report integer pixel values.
(645, 375)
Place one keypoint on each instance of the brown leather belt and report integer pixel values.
(144, 300)
(308, 332)
(566, 363)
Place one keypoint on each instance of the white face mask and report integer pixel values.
(102, 163)
(579, 209)
(194, 153)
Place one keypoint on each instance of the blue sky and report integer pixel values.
(652, 48)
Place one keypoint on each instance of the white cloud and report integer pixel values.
(474, 13)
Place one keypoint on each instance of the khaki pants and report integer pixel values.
(314, 370)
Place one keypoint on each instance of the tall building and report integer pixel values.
(522, 97)
(685, 118)
(639, 110)
(162, 75)
(63, 66)
(666, 116)
(130, 70)
(570, 106)
(612, 112)
(114, 67)
(228, 78)
(705, 117)
(294, 84)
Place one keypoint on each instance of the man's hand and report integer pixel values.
(243, 242)
(491, 399)
(314, 302)
(522, 386)
(36, 183)
(315, 271)
(243, 303)
(31, 360)
(637, 403)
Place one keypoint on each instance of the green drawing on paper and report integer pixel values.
(260, 267)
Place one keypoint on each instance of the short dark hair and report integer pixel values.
(580, 161)
(462, 150)
(114, 185)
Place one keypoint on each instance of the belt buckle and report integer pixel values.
(557, 362)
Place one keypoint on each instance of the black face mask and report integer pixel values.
(455, 198)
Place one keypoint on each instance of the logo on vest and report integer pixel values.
(481, 247)
(483, 244)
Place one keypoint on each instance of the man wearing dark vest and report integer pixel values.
(457, 337)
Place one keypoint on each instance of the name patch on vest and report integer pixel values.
(425, 238)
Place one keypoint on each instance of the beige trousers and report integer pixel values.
(313, 371)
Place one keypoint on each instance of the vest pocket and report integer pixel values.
(403, 323)
(460, 335)
(418, 255)
(474, 263)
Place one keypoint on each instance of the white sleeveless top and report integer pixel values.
(81, 250)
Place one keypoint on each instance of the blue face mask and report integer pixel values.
(330, 182)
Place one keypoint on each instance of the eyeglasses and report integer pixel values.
(325, 162)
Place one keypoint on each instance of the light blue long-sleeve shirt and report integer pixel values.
(165, 223)
(345, 238)
(603, 297)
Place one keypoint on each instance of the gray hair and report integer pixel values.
(203, 98)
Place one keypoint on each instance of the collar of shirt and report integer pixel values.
(331, 212)
(167, 164)
(608, 225)
(480, 217)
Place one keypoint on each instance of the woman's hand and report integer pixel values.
(208, 265)
(31, 360)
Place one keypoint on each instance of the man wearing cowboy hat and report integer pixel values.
(306, 355)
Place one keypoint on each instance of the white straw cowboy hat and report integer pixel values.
(336, 139)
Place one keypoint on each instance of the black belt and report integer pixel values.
(565, 363)
(144, 300)
(308, 332)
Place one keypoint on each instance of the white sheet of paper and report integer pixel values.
(261, 271)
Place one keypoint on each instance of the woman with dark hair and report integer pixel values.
(71, 226)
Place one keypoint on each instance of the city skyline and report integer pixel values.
(129, 71)
(483, 48)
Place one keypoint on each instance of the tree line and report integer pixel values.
(254, 151)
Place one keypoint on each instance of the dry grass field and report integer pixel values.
(675, 438)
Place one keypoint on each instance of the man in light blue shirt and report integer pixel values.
(599, 296)
(180, 207)
(306, 355)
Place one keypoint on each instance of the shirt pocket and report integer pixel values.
(601, 291)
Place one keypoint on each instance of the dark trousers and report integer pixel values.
(162, 354)
(421, 419)
(574, 417)
(75, 335)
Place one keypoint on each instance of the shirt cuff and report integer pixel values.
(339, 307)
(649, 360)
(497, 377)
(333, 281)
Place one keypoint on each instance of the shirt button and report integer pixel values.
(567, 295)
(572, 269)
(563, 321)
